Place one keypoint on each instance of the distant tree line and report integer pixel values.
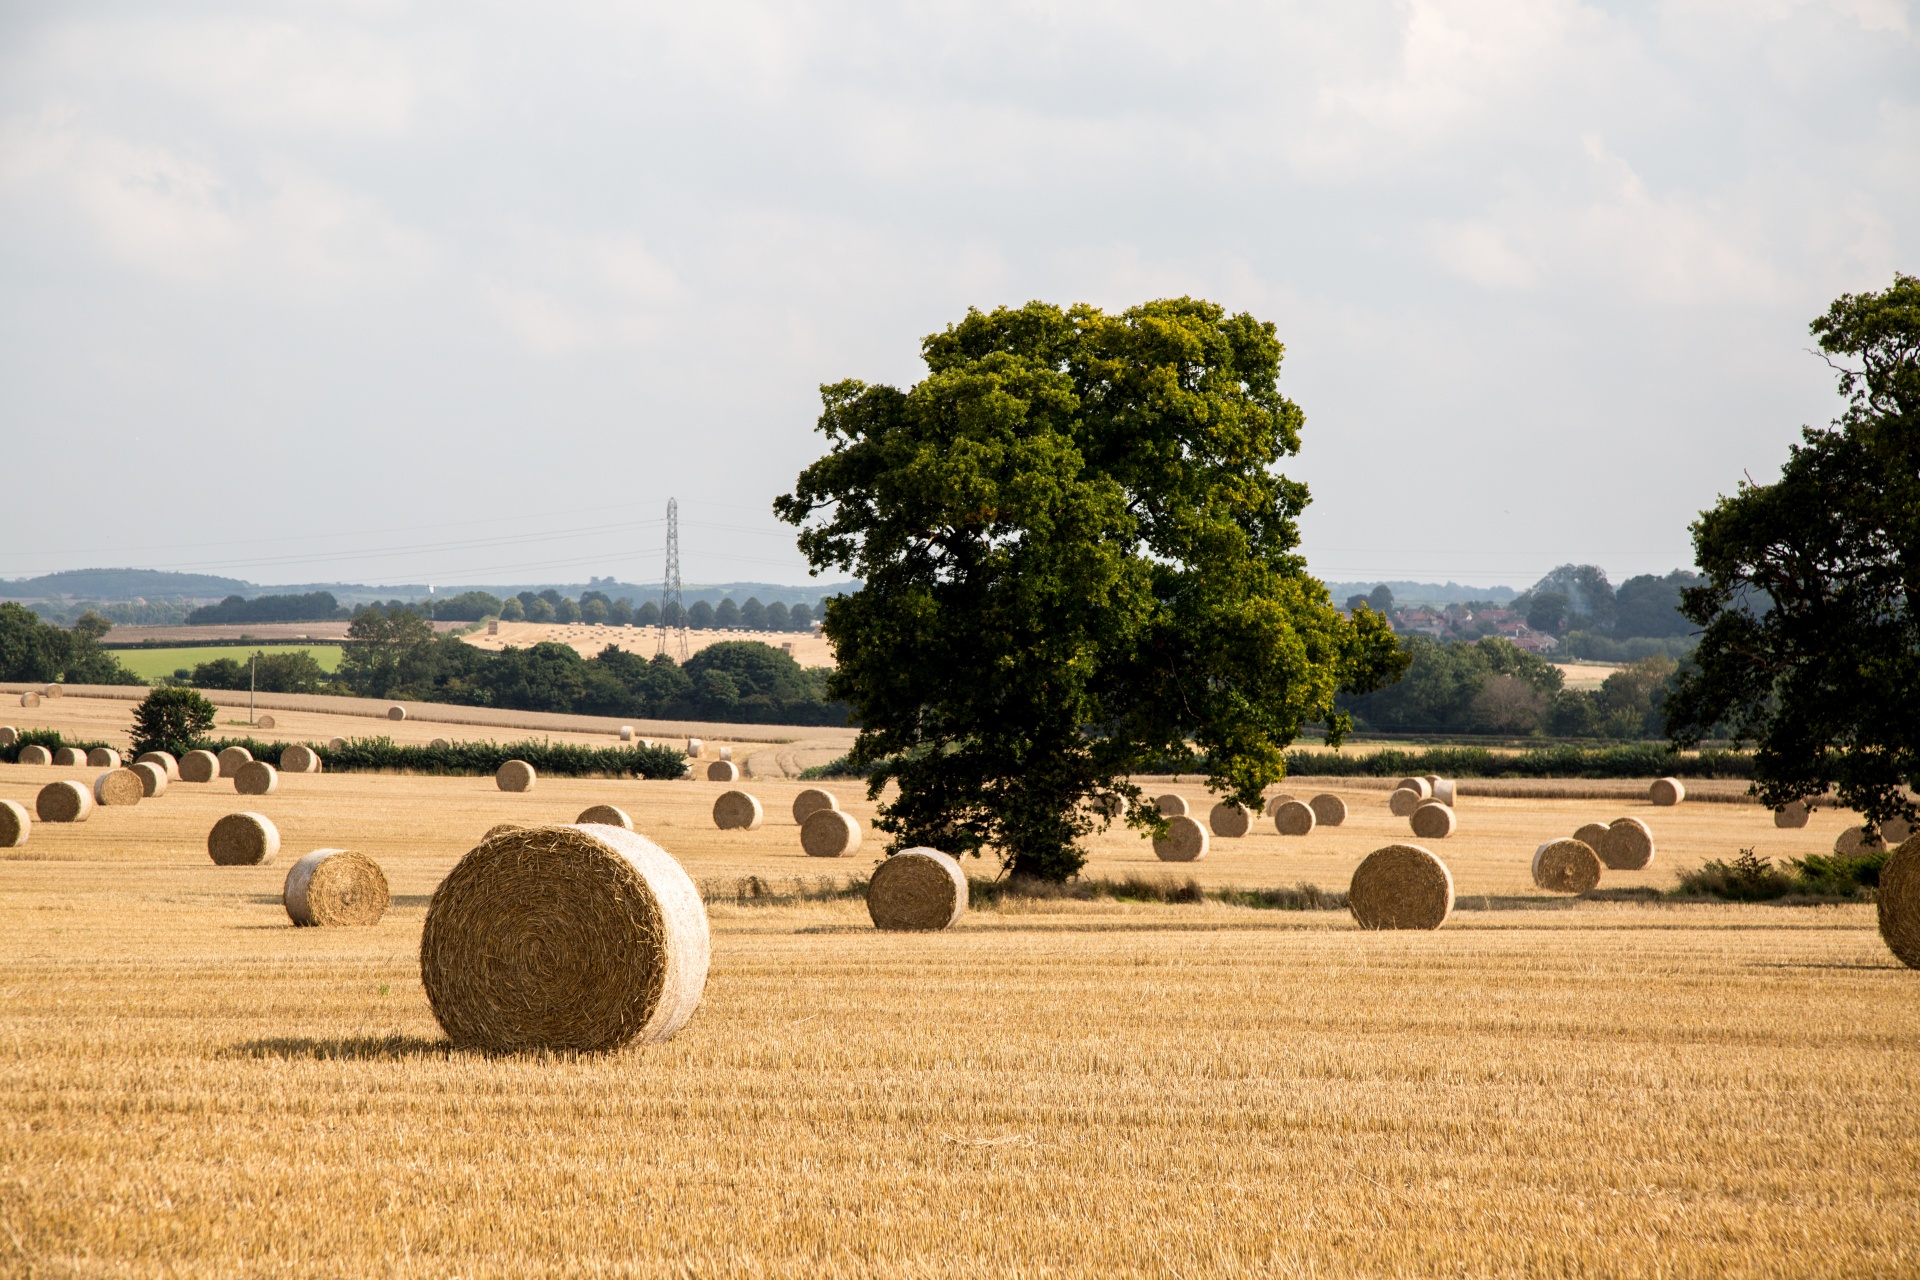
(32, 649)
(315, 606)
(1593, 620)
(293, 671)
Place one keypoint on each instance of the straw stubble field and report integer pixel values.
(188, 1085)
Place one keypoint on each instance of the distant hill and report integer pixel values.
(1405, 593)
(122, 584)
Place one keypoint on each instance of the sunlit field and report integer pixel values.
(151, 664)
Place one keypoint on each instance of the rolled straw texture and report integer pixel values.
(1295, 819)
(153, 779)
(1185, 841)
(723, 771)
(1230, 820)
(1329, 810)
(15, 824)
(333, 888)
(263, 722)
(1433, 821)
(1895, 831)
(500, 828)
(243, 840)
(8, 735)
(564, 938)
(300, 758)
(917, 890)
(1418, 785)
(1666, 792)
(199, 766)
(1171, 805)
(1628, 846)
(1402, 886)
(256, 778)
(166, 762)
(738, 811)
(63, 802)
(103, 758)
(118, 788)
(1274, 802)
(69, 757)
(1566, 866)
(1403, 801)
(1898, 902)
(829, 833)
(336, 744)
(605, 815)
(231, 758)
(1855, 840)
(1593, 835)
(35, 754)
(54, 691)
(29, 699)
(811, 799)
(396, 713)
(1445, 792)
(1792, 815)
(514, 775)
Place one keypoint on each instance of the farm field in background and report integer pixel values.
(190, 1085)
(151, 664)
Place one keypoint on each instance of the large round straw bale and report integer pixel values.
(8, 735)
(1403, 801)
(67, 801)
(723, 771)
(169, 765)
(263, 722)
(694, 747)
(1329, 810)
(34, 753)
(1894, 831)
(1628, 846)
(1402, 886)
(1855, 840)
(811, 799)
(1433, 821)
(300, 758)
(1171, 805)
(29, 699)
(103, 758)
(256, 778)
(1274, 802)
(604, 814)
(396, 712)
(1793, 814)
(1566, 866)
(581, 938)
(1446, 792)
(335, 887)
(243, 840)
(1185, 841)
(15, 825)
(1230, 819)
(153, 779)
(1420, 786)
(199, 766)
(54, 691)
(827, 833)
(69, 757)
(514, 775)
(737, 811)
(336, 744)
(1666, 792)
(921, 890)
(231, 758)
(119, 787)
(1295, 819)
(626, 733)
(1898, 902)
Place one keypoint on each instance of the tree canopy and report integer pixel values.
(1077, 555)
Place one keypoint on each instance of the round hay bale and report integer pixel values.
(812, 799)
(1894, 832)
(29, 699)
(231, 758)
(737, 811)
(1628, 846)
(263, 722)
(1329, 810)
(1185, 841)
(1855, 841)
(726, 753)
(605, 815)
(332, 888)
(1403, 801)
(336, 744)
(54, 691)
(166, 762)
(514, 775)
(1295, 819)
(34, 753)
(499, 828)
(66, 801)
(1274, 802)
(1418, 785)
(1792, 815)
(1566, 866)
(243, 840)
(8, 735)
(723, 771)
(826, 833)
(256, 778)
(70, 757)
(199, 766)
(1433, 821)
(564, 938)
(300, 758)
(1107, 806)
(15, 825)
(1230, 820)
(1445, 792)
(694, 747)
(1171, 805)
(626, 733)
(396, 713)
(103, 758)
(1402, 886)
(1666, 792)
(153, 779)
(119, 788)
(439, 744)
(1898, 902)
(917, 890)
(1593, 835)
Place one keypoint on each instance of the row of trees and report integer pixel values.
(32, 649)
(596, 608)
(315, 606)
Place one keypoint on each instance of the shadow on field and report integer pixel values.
(343, 1048)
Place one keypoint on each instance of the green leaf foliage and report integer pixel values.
(479, 759)
(33, 650)
(172, 720)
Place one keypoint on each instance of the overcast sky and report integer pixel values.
(463, 292)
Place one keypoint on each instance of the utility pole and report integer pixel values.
(673, 615)
(253, 678)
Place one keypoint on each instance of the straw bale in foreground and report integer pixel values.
(605, 815)
(335, 888)
(1230, 820)
(1898, 902)
(1185, 841)
(300, 758)
(1792, 815)
(153, 779)
(828, 833)
(243, 840)
(103, 758)
(199, 766)
(118, 788)
(1666, 792)
(1628, 846)
(165, 760)
(723, 771)
(918, 890)
(1855, 841)
(15, 824)
(1329, 810)
(66, 801)
(34, 753)
(811, 799)
(569, 938)
(1402, 886)
(70, 757)
(1171, 805)
(737, 811)
(1295, 819)
(231, 758)
(1403, 801)
(1566, 866)
(1433, 821)
(514, 775)
(256, 778)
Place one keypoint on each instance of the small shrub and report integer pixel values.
(1839, 875)
(1748, 878)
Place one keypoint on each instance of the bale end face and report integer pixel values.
(1593, 835)
(829, 833)
(396, 713)
(1420, 786)
(1171, 805)
(119, 787)
(336, 744)
(1185, 841)
(264, 722)
(243, 840)
(514, 775)
(1793, 815)
(199, 766)
(15, 824)
(1566, 866)
(1898, 902)
(1274, 803)
(103, 758)
(166, 762)
(604, 815)
(1329, 810)
(65, 801)
(812, 799)
(1295, 819)
(34, 754)
(1666, 792)
(336, 888)
(153, 779)
(299, 758)
(70, 757)
(1433, 821)
(439, 744)
(737, 811)
(29, 699)
(1230, 820)
(1403, 801)
(1402, 886)
(1628, 846)
(8, 735)
(723, 771)
(256, 778)
(231, 758)
(917, 890)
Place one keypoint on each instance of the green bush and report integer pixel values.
(1750, 878)
(480, 759)
(172, 720)
(51, 739)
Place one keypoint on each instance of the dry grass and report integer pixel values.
(190, 1085)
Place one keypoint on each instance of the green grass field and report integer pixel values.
(151, 664)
